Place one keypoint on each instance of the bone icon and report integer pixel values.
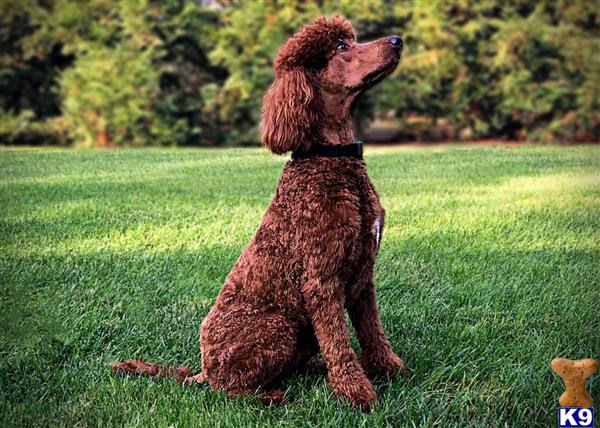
(575, 374)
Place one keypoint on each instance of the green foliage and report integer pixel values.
(189, 72)
(139, 73)
(488, 269)
(25, 129)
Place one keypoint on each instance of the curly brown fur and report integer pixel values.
(312, 257)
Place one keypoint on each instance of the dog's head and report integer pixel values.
(321, 66)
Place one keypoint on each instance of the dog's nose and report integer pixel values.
(396, 42)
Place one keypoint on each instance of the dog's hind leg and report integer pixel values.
(244, 351)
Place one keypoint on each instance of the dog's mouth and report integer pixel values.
(372, 79)
(379, 74)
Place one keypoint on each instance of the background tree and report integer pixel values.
(29, 72)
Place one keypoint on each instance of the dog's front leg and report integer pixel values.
(325, 304)
(377, 356)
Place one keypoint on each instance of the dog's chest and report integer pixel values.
(364, 249)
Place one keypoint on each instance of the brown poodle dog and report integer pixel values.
(312, 257)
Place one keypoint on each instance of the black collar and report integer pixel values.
(354, 150)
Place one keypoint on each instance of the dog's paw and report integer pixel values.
(383, 364)
(272, 398)
(356, 388)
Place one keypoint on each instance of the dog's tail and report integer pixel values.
(181, 374)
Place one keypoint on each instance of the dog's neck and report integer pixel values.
(336, 128)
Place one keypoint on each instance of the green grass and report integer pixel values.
(489, 268)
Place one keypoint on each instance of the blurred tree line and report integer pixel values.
(193, 72)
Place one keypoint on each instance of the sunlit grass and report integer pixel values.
(489, 268)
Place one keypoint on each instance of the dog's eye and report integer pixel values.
(342, 46)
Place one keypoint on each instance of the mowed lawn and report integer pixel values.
(489, 268)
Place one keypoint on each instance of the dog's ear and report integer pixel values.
(290, 114)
